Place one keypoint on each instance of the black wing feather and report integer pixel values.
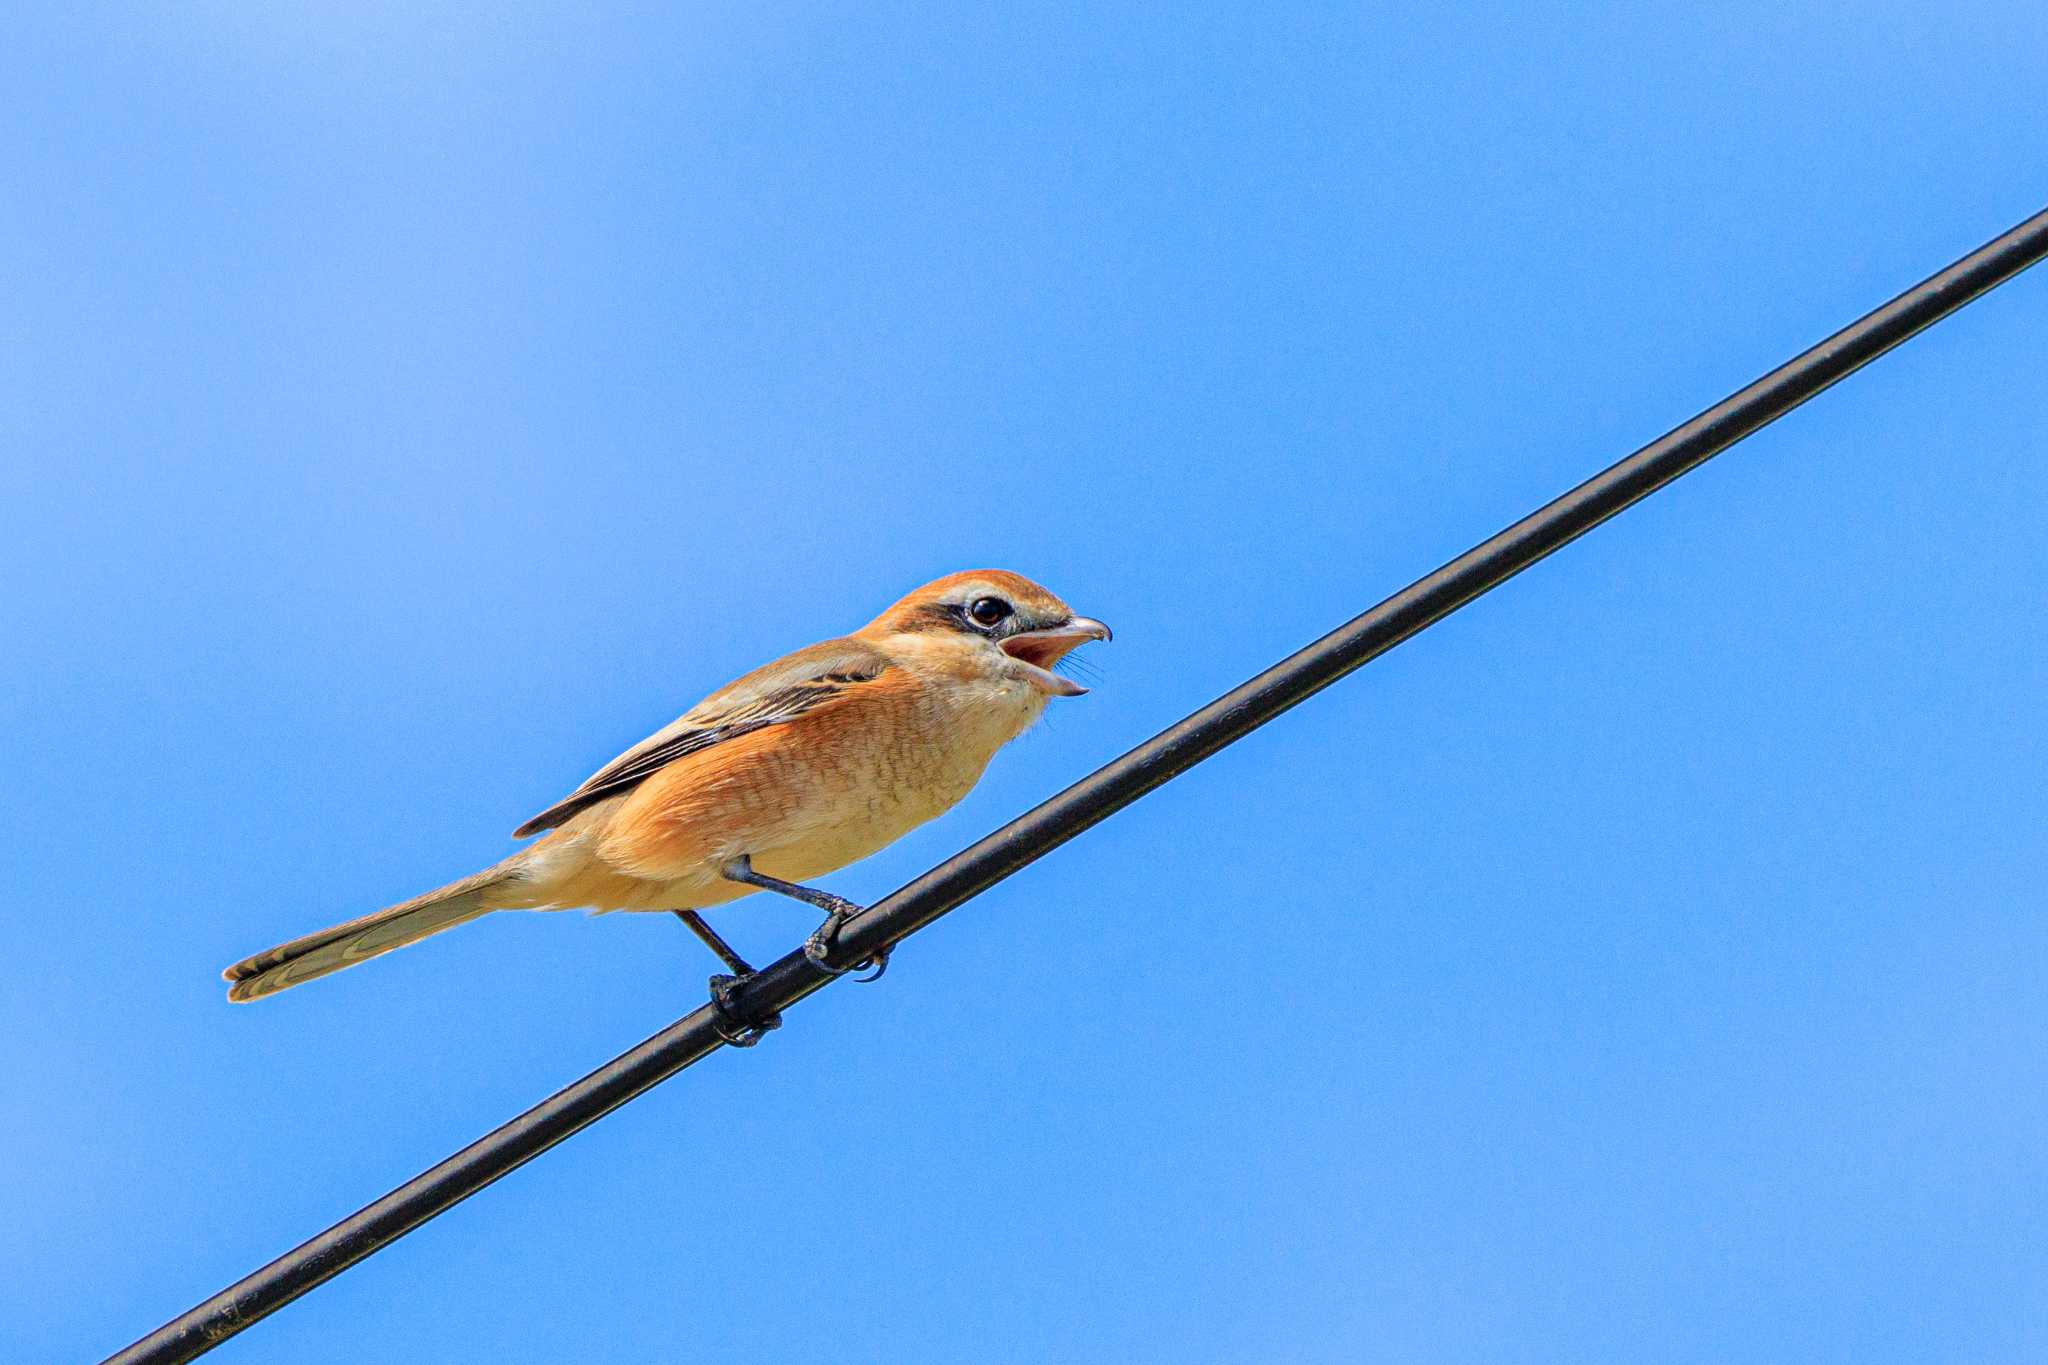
(715, 725)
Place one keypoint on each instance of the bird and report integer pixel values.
(786, 774)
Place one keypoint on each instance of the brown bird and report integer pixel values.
(793, 771)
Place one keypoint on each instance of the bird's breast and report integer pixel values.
(891, 770)
(811, 796)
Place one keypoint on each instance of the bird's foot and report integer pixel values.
(820, 943)
(736, 1031)
(838, 910)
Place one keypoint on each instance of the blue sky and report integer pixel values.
(408, 406)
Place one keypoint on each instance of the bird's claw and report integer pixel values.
(820, 943)
(727, 1023)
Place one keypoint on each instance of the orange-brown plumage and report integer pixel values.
(799, 768)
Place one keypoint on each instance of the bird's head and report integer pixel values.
(1003, 621)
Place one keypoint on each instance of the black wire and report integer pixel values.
(1096, 797)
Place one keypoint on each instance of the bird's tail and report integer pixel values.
(344, 945)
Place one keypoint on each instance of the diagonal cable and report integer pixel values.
(1101, 794)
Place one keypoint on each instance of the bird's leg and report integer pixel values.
(734, 963)
(733, 1029)
(837, 910)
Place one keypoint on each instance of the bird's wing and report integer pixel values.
(770, 695)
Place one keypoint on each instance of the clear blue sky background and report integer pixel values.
(408, 406)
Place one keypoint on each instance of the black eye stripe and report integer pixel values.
(956, 616)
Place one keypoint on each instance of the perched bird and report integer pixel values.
(793, 771)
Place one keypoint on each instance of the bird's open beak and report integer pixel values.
(1039, 650)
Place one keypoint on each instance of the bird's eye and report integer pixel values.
(987, 611)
